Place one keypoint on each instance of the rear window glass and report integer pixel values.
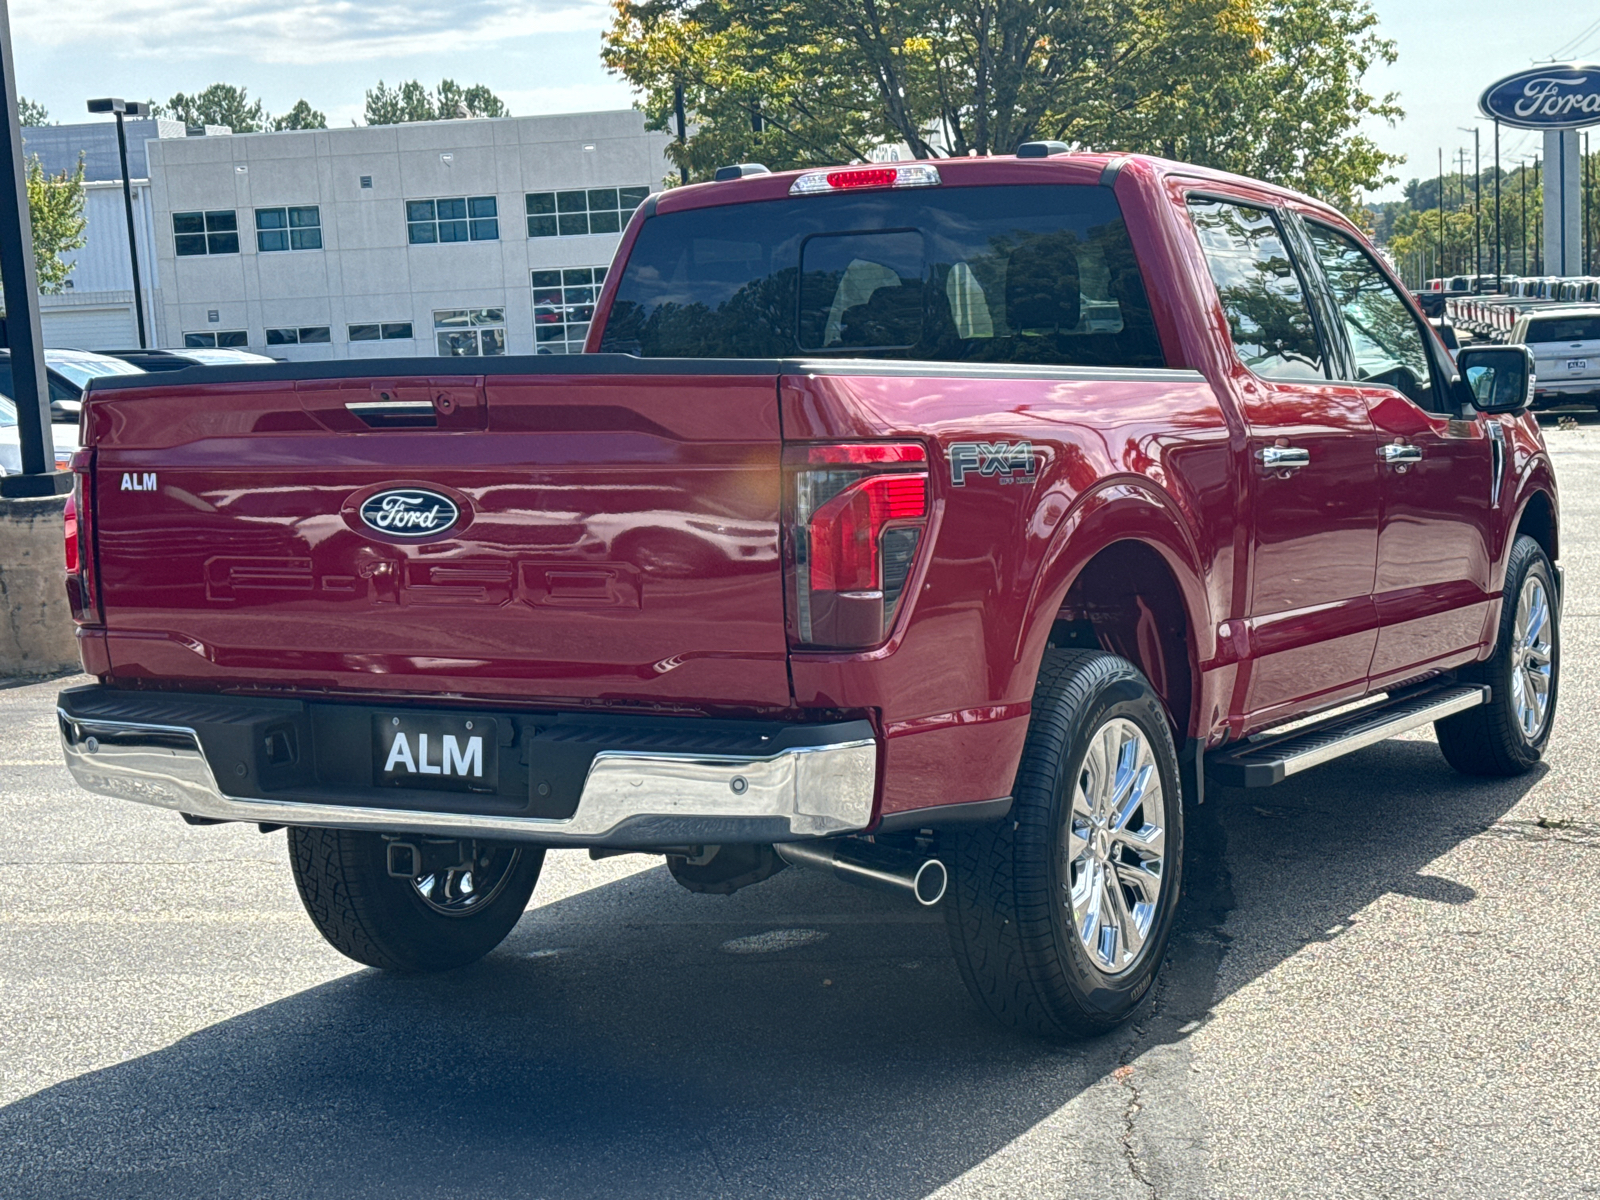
(1033, 274)
(1567, 329)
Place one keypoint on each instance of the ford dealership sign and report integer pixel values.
(1553, 96)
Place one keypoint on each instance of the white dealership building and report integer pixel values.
(444, 237)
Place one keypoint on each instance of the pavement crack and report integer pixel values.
(1126, 1077)
(1547, 829)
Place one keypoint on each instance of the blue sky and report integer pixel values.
(543, 55)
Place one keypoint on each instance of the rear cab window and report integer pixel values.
(1041, 274)
(1564, 329)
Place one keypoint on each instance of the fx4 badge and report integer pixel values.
(1003, 459)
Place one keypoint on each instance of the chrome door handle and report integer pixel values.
(1283, 458)
(1396, 453)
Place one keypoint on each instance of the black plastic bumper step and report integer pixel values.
(1272, 758)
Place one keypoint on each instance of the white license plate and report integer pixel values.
(1577, 364)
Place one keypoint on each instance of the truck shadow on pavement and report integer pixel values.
(614, 1048)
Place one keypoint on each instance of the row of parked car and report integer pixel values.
(69, 374)
(1556, 317)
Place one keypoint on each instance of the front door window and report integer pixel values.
(1384, 337)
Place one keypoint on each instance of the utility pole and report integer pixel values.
(1538, 226)
(1441, 215)
(1497, 242)
(1477, 205)
(1522, 177)
(683, 127)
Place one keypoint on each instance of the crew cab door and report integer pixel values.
(1311, 481)
(1441, 472)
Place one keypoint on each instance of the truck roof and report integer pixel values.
(1080, 168)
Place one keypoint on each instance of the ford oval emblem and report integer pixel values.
(1549, 96)
(409, 513)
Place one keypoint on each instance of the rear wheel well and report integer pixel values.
(1538, 522)
(1126, 602)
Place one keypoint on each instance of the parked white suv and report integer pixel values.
(1566, 352)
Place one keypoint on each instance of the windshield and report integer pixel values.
(80, 368)
(1031, 274)
(1567, 329)
(8, 413)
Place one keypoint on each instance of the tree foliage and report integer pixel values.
(301, 116)
(55, 209)
(410, 101)
(32, 113)
(219, 104)
(1266, 87)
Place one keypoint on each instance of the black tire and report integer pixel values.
(1490, 739)
(1009, 907)
(384, 922)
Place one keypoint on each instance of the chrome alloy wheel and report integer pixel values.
(1530, 657)
(462, 890)
(1114, 851)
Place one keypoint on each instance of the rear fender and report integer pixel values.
(1122, 510)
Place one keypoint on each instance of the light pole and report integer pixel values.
(129, 108)
(21, 283)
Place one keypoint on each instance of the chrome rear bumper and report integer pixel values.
(629, 798)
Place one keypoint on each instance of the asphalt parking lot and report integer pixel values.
(1384, 986)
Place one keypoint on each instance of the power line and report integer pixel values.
(1571, 42)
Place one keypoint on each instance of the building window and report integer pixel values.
(224, 338)
(305, 335)
(289, 228)
(465, 218)
(563, 303)
(206, 232)
(470, 332)
(387, 331)
(366, 181)
(568, 214)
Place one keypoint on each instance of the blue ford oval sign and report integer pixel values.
(409, 513)
(1553, 96)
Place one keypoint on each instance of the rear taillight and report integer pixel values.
(71, 515)
(79, 544)
(856, 515)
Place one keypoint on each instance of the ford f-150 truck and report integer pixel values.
(943, 526)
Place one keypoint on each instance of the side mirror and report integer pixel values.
(1496, 379)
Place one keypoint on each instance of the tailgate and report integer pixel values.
(552, 537)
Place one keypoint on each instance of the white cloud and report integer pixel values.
(303, 33)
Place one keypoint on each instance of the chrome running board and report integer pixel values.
(1271, 758)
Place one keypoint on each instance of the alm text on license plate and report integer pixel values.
(437, 751)
(1577, 364)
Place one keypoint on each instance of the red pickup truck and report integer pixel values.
(943, 526)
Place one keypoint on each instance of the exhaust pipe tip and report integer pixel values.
(929, 883)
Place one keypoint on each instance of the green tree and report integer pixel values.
(410, 101)
(219, 104)
(301, 116)
(1269, 87)
(32, 113)
(55, 209)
